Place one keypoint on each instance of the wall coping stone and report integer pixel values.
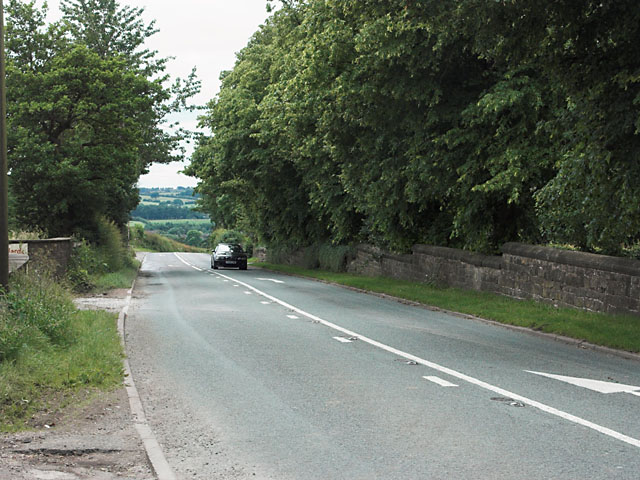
(472, 258)
(625, 266)
(45, 240)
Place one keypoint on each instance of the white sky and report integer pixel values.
(202, 33)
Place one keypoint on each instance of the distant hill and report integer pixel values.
(167, 204)
(170, 212)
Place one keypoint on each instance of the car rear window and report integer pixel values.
(230, 248)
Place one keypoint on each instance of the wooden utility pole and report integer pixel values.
(4, 181)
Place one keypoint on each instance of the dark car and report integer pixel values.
(229, 255)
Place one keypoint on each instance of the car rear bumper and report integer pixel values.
(232, 263)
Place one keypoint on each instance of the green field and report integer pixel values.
(199, 221)
(148, 200)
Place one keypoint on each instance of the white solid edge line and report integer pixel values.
(453, 373)
(159, 463)
(439, 381)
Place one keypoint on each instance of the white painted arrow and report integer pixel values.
(270, 280)
(596, 385)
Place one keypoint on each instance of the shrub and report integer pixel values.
(26, 235)
(633, 251)
(109, 254)
(310, 259)
(111, 248)
(279, 254)
(82, 264)
(320, 255)
(335, 258)
(136, 233)
(221, 235)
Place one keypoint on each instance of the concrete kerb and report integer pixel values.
(560, 338)
(152, 448)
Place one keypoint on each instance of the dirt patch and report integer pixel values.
(94, 439)
(112, 301)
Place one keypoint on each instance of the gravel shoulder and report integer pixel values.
(95, 438)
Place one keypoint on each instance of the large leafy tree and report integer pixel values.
(86, 115)
(465, 123)
(110, 29)
(249, 179)
(584, 133)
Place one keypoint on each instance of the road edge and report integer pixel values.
(153, 450)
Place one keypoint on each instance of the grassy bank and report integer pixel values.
(51, 353)
(615, 331)
(123, 278)
(143, 241)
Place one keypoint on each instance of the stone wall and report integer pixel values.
(583, 280)
(52, 254)
(577, 279)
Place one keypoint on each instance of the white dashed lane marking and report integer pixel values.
(440, 381)
(441, 368)
(342, 339)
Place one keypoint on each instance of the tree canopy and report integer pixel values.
(87, 113)
(465, 124)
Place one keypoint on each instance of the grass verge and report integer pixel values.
(51, 353)
(614, 331)
(123, 278)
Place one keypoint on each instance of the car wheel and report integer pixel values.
(215, 265)
(243, 267)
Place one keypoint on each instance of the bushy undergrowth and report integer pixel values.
(90, 261)
(632, 251)
(333, 258)
(279, 255)
(35, 313)
(26, 235)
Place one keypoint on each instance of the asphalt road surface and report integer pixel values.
(253, 374)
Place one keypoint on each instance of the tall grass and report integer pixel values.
(153, 242)
(107, 259)
(49, 350)
(36, 312)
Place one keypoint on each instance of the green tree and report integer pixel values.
(584, 57)
(194, 238)
(247, 182)
(85, 122)
(110, 29)
(396, 122)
